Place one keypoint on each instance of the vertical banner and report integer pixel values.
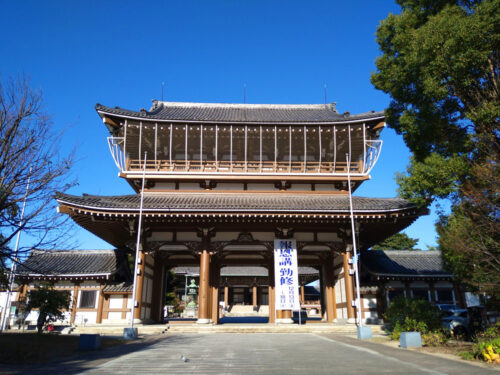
(286, 275)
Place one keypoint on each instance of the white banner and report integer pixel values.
(286, 275)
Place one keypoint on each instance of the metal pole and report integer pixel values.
(319, 135)
(246, 140)
(139, 227)
(231, 147)
(305, 150)
(334, 149)
(125, 144)
(186, 149)
(140, 141)
(170, 147)
(14, 261)
(364, 147)
(156, 141)
(356, 271)
(275, 148)
(216, 145)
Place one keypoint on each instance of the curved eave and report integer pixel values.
(85, 276)
(107, 113)
(394, 276)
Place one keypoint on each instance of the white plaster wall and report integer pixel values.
(90, 284)
(304, 236)
(189, 186)
(163, 186)
(64, 284)
(80, 317)
(129, 302)
(325, 187)
(300, 187)
(114, 315)
(229, 186)
(160, 236)
(187, 236)
(327, 236)
(115, 302)
(261, 187)
(263, 236)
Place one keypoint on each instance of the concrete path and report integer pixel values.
(230, 353)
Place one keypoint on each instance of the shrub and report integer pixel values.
(437, 338)
(407, 314)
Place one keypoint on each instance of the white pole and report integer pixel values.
(134, 292)
(319, 164)
(14, 261)
(140, 142)
(125, 144)
(170, 146)
(156, 142)
(305, 150)
(356, 270)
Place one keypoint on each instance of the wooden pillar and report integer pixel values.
(322, 292)
(204, 298)
(254, 296)
(140, 282)
(271, 296)
(349, 290)
(100, 305)
(124, 305)
(157, 298)
(286, 314)
(331, 306)
(74, 301)
(302, 294)
(226, 296)
(214, 297)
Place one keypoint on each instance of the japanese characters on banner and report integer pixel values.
(286, 275)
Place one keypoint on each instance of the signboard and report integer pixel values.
(286, 275)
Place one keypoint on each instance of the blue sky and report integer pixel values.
(118, 53)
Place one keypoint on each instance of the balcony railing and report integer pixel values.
(155, 166)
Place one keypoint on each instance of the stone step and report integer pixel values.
(228, 328)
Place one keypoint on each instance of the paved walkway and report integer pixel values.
(277, 354)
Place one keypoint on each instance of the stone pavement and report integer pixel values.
(229, 353)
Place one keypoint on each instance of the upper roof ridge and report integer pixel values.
(159, 103)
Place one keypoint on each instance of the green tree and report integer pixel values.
(440, 64)
(399, 241)
(50, 304)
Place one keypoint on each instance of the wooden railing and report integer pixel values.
(195, 166)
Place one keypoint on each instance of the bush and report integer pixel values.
(437, 338)
(407, 315)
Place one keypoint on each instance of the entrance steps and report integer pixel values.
(192, 327)
(270, 328)
(247, 310)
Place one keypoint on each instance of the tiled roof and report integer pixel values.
(70, 262)
(123, 287)
(231, 202)
(403, 263)
(240, 271)
(241, 113)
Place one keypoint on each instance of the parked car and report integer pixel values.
(448, 307)
(456, 321)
